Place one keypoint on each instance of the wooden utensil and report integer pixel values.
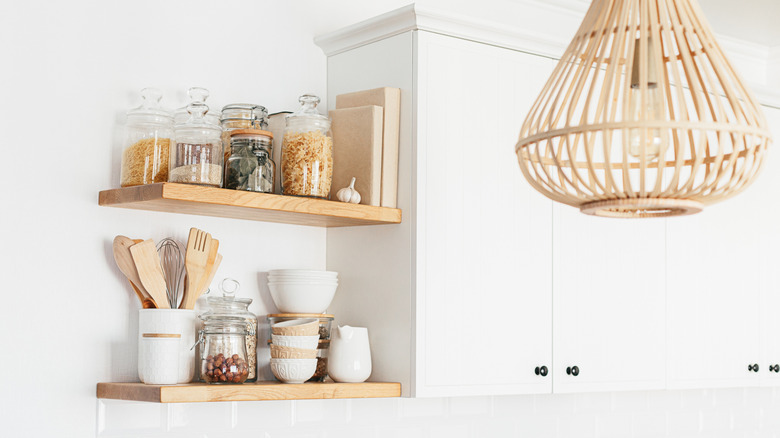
(210, 268)
(195, 260)
(147, 262)
(124, 260)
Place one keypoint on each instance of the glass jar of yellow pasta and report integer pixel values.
(307, 151)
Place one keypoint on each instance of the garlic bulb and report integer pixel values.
(349, 194)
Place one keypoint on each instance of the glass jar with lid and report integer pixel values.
(147, 142)
(223, 355)
(241, 116)
(250, 166)
(196, 156)
(307, 151)
(196, 95)
(229, 306)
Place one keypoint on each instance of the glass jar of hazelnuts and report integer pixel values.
(223, 357)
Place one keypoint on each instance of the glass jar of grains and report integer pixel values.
(250, 166)
(228, 306)
(241, 116)
(307, 151)
(197, 157)
(147, 142)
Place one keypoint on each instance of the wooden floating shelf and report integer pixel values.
(207, 201)
(272, 390)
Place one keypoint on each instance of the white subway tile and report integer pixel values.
(263, 415)
(664, 401)
(539, 426)
(684, 422)
(732, 398)
(374, 410)
(406, 431)
(512, 405)
(697, 399)
(117, 417)
(468, 406)
(629, 402)
(422, 407)
(320, 411)
(577, 425)
(756, 398)
(593, 403)
(351, 431)
(649, 425)
(551, 404)
(292, 432)
(499, 427)
(449, 429)
(614, 425)
(200, 417)
(716, 420)
(746, 420)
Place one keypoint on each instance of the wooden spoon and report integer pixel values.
(147, 262)
(124, 260)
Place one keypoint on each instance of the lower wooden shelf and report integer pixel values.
(272, 390)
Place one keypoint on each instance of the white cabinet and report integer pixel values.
(464, 284)
(609, 302)
(723, 288)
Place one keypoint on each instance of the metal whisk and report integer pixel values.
(172, 263)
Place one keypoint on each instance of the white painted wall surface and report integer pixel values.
(68, 72)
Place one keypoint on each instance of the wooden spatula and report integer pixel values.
(211, 267)
(124, 260)
(147, 262)
(195, 260)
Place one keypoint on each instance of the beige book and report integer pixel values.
(357, 151)
(389, 99)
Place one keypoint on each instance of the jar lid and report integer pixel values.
(307, 110)
(196, 94)
(245, 111)
(228, 305)
(161, 335)
(150, 109)
(226, 325)
(197, 128)
(251, 132)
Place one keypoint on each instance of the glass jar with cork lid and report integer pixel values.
(250, 166)
(147, 143)
(197, 155)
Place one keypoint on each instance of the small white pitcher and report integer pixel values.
(349, 358)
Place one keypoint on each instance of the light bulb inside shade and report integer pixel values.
(647, 142)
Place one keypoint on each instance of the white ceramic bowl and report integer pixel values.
(302, 298)
(303, 272)
(308, 342)
(293, 370)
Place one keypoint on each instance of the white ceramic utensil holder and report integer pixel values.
(178, 321)
(161, 358)
(349, 359)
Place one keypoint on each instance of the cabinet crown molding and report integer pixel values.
(554, 22)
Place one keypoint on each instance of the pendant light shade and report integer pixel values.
(643, 116)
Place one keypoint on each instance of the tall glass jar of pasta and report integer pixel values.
(307, 151)
(147, 143)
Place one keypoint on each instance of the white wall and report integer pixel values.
(69, 71)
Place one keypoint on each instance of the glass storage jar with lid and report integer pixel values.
(223, 355)
(250, 166)
(307, 151)
(147, 142)
(196, 156)
(229, 306)
(199, 95)
(241, 116)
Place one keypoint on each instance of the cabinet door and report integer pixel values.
(767, 191)
(483, 291)
(608, 294)
(714, 280)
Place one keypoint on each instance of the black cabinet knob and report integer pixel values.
(541, 371)
(753, 367)
(774, 368)
(573, 371)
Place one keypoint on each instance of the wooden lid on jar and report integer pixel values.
(251, 132)
(300, 315)
(161, 335)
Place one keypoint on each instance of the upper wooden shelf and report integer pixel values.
(203, 392)
(206, 201)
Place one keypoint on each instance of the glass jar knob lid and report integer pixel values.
(150, 104)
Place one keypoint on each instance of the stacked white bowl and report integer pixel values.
(294, 349)
(302, 290)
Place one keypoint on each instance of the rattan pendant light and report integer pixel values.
(643, 116)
